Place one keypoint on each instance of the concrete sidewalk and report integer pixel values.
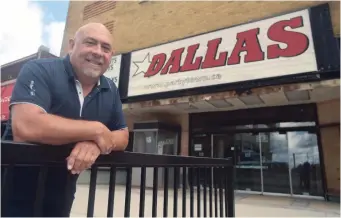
(246, 205)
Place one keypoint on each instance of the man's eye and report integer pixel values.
(90, 43)
(106, 49)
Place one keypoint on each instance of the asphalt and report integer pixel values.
(246, 205)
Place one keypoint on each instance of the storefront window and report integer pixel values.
(275, 162)
(167, 142)
(248, 166)
(305, 164)
(145, 142)
(272, 162)
(155, 142)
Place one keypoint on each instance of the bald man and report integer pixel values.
(62, 101)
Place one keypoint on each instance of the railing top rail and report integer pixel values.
(13, 153)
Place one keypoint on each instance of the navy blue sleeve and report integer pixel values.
(117, 118)
(32, 87)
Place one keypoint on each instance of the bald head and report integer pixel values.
(91, 50)
(92, 27)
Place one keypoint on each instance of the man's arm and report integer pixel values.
(31, 124)
(121, 139)
(118, 127)
(30, 104)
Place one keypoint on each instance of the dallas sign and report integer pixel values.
(273, 47)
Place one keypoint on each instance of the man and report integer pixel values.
(62, 101)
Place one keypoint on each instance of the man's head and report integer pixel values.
(91, 50)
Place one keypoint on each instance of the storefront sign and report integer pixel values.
(6, 93)
(268, 48)
(113, 71)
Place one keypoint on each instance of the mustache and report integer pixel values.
(95, 60)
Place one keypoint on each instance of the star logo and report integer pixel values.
(142, 66)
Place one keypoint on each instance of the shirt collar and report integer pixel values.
(102, 82)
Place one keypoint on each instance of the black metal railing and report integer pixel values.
(212, 179)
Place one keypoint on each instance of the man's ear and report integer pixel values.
(71, 44)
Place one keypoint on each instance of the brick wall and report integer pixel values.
(139, 25)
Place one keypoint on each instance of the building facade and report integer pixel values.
(254, 81)
(9, 73)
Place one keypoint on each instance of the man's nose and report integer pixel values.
(97, 51)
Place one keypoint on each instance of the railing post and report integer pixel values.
(142, 191)
(92, 192)
(176, 187)
(111, 197)
(221, 189)
(128, 193)
(210, 190)
(184, 187)
(191, 197)
(198, 191)
(155, 190)
(230, 192)
(205, 191)
(165, 193)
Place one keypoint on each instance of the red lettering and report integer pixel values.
(188, 65)
(156, 65)
(210, 58)
(297, 43)
(174, 61)
(247, 41)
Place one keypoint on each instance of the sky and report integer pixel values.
(27, 24)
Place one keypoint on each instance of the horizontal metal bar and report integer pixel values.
(130, 165)
(16, 153)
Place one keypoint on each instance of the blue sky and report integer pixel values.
(27, 24)
(54, 11)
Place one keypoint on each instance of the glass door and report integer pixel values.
(201, 147)
(275, 162)
(222, 147)
(272, 162)
(247, 162)
(304, 164)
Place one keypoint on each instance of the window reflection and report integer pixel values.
(145, 142)
(275, 162)
(248, 175)
(258, 126)
(305, 163)
(167, 142)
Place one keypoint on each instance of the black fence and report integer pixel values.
(209, 182)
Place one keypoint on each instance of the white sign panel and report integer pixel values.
(273, 47)
(114, 69)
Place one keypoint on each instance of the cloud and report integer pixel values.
(55, 32)
(22, 31)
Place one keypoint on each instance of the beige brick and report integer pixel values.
(330, 138)
(329, 111)
(140, 25)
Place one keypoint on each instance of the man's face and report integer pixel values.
(91, 52)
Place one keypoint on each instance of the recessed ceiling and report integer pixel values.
(219, 103)
(298, 95)
(266, 99)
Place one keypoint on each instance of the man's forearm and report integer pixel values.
(54, 130)
(121, 138)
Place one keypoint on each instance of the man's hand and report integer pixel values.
(83, 155)
(104, 140)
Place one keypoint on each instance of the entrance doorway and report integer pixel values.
(268, 162)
